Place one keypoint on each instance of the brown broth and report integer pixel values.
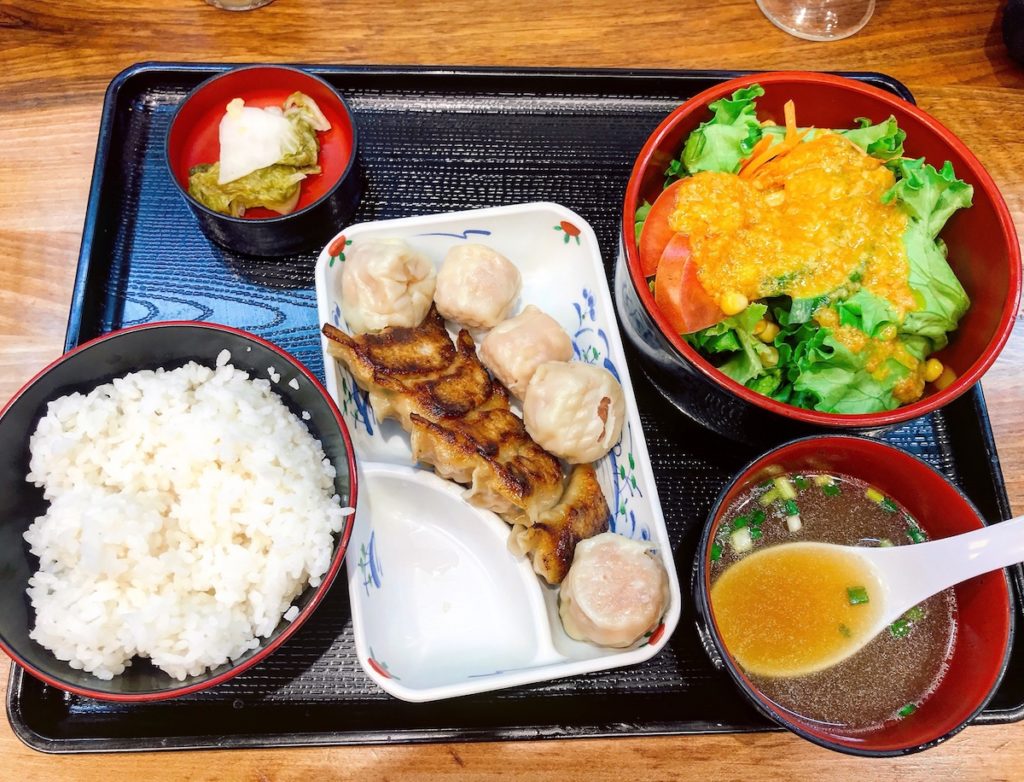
(894, 670)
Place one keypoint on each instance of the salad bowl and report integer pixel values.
(982, 246)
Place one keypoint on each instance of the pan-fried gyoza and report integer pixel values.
(460, 423)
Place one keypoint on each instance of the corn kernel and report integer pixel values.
(734, 303)
(932, 369)
(874, 495)
(770, 357)
(768, 333)
(759, 326)
(945, 379)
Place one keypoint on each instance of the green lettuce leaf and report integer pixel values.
(841, 384)
(640, 217)
(867, 312)
(735, 335)
(723, 141)
(883, 141)
(930, 197)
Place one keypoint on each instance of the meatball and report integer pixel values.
(616, 591)
(574, 410)
(514, 348)
(384, 282)
(476, 286)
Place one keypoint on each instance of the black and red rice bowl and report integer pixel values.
(149, 346)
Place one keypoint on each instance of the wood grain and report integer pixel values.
(56, 59)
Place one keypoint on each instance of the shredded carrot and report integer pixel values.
(790, 111)
(759, 148)
(763, 153)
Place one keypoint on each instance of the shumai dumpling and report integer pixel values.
(476, 286)
(514, 348)
(615, 592)
(384, 282)
(574, 410)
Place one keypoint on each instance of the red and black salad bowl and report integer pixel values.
(983, 252)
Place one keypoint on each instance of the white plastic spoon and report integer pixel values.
(895, 578)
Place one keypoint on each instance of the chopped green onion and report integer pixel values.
(831, 490)
(915, 614)
(916, 535)
(741, 541)
(768, 497)
(856, 276)
(888, 505)
(739, 523)
(907, 710)
(800, 481)
(785, 487)
(755, 533)
(793, 523)
(885, 543)
(844, 631)
(857, 595)
(757, 518)
(874, 495)
(766, 485)
(716, 552)
(824, 480)
(791, 508)
(900, 628)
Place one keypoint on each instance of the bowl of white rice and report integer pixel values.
(175, 500)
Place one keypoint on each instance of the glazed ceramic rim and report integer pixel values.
(320, 591)
(343, 177)
(702, 599)
(689, 355)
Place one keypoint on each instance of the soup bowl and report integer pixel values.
(984, 614)
(982, 243)
(150, 346)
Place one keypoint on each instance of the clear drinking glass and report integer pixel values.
(818, 20)
(239, 5)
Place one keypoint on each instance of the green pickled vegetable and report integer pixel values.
(275, 187)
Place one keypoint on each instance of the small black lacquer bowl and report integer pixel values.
(327, 200)
(169, 345)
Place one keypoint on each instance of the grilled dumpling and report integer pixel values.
(551, 541)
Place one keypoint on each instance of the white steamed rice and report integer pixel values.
(188, 509)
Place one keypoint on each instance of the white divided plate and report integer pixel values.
(440, 607)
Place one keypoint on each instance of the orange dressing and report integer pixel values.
(802, 226)
(785, 611)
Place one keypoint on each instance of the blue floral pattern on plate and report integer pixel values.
(618, 468)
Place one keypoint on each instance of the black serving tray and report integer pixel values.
(431, 140)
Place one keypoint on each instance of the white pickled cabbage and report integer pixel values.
(252, 138)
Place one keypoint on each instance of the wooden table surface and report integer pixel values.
(56, 59)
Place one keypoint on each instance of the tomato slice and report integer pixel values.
(678, 291)
(656, 234)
